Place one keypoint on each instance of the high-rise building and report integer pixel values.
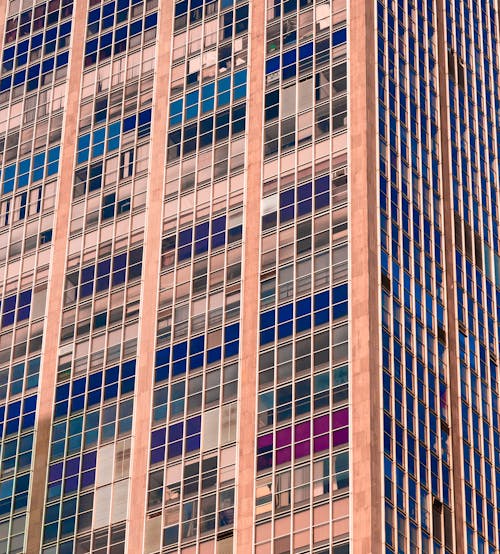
(249, 276)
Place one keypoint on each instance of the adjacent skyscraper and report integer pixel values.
(249, 276)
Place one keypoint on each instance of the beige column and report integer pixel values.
(141, 430)
(4, 9)
(366, 482)
(451, 313)
(48, 370)
(244, 523)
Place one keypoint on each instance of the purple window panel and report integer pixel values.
(264, 461)
(283, 455)
(304, 191)
(193, 425)
(219, 224)
(265, 443)
(8, 319)
(174, 449)
(185, 237)
(184, 253)
(9, 304)
(302, 431)
(286, 214)
(71, 484)
(197, 345)
(218, 240)
(29, 404)
(158, 455)
(304, 207)
(321, 443)
(88, 478)
(201, 231)
(175, 432)
(321, 425)
(119, 265)
(214, 354)
(179, 351)
(283, 437)
(341, 436)
(179, 367)
(89, 460)
(158, 437)
(24, 298)
(302, 449)
(340, 418)
(201, 246)
(193, 443)
(264, 449)
(322, 184)
(287, 198)
(103, 268)
(72, 467)
(55, 472)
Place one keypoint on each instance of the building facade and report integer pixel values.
(249, 276)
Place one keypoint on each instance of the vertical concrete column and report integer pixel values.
(52, 330)
(141, 429)
(245, 479)
(451, 285)
(4, 9)
(366, 482)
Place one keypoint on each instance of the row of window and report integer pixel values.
(215, 94)
(204, 236)
(21, 377)
(106, 139)
(37, 18)
(325, 431)
(30, 49)
(28, 171)
(19, 304)
(14, 493)
(174, 361)
(88, 391)
(18, 415)
(70, 475)
(304, 55)
(105, 16)
(209, 130)
(104, 274)
(195, 393)
(303, 314)
(302, 396)
(231, 21)
(37, 74)
(118, 41)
